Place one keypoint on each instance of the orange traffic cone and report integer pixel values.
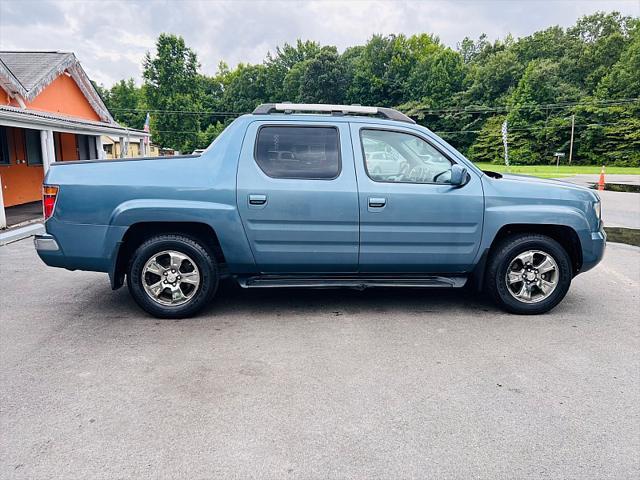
(601, 181)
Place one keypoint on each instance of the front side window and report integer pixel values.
(298, 152)
(402, 158)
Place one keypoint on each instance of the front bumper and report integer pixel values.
(593, 249)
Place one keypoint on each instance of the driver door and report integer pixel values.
(412, 220)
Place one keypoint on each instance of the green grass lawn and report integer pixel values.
(551, 171)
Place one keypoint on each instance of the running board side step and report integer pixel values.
(359, 282)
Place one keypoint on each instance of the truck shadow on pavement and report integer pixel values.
(232, 300)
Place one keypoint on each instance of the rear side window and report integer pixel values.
(299, 152)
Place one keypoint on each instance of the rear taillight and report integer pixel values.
(49, 195)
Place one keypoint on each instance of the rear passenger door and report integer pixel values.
(297, 197)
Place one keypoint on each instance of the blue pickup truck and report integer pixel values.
(298, 195)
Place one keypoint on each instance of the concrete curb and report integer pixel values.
(16, 234)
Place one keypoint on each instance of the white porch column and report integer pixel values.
(45, 150)
(143, 148)
(51, 149)
(3, 216)
(99, 147)
(122, 146)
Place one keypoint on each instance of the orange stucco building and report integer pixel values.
(49, 112)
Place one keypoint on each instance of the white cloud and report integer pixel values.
(111, 37)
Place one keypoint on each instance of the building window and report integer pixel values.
(33, 146)
(86, 147)
(311, 153)
(4, 147)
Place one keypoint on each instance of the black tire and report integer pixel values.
(202, 258)
(502, 256)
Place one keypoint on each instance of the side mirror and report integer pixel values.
(458, 175)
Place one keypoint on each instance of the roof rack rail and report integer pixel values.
(388, 113)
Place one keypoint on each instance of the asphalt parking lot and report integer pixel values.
(317, 384)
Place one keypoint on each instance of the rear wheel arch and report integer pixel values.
(138, 233)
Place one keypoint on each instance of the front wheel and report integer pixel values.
(172, 276)
(529, 274)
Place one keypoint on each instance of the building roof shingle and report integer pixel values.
(30, 68)
(27, 74)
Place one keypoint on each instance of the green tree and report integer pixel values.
(436, 77)
(589, 70)
(383, 67)
(324, 79)
(602, 38)
(173, 92)
(623, 78)
(537, 126)
(613, 132)
(245, 88)
(488, 146)
(126, 103)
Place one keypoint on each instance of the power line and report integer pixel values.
(440, 132)
(531, 106)
(475, 109)
(529, 129)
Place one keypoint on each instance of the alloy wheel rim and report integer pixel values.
(532, 276)
(170, 278)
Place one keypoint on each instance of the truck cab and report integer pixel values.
(298, 195)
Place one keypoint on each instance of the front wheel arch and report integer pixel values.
(563, 234)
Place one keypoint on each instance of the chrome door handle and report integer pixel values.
(377, 202)
(255, 199)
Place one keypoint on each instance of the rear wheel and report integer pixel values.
(172, 276)
(529, 273)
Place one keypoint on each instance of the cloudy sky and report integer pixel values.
(110, 37)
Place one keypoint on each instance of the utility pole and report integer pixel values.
(573, 124)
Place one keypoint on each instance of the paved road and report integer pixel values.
(588, 180)
(317, 384)
(619, 209)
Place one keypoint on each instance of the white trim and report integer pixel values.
(100, 148)
(51, 148)
(84, 83)
(3, 215)
(45, 151)
(10, 82)
(11, 119)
